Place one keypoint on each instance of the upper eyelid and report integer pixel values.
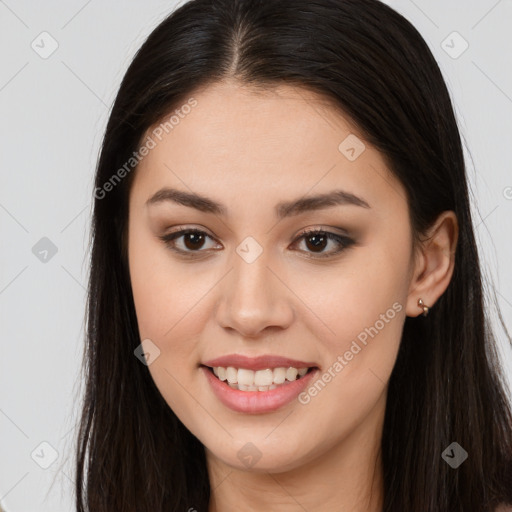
(345, 240)
(182, 230)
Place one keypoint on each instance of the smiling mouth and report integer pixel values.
(244, 379)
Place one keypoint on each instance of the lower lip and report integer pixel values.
(257, 401)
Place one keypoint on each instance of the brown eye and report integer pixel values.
(317, 240)
(193, 240)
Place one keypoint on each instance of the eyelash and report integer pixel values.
(344, 241)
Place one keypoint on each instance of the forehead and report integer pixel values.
(238, 140)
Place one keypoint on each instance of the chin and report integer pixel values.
(259, 457)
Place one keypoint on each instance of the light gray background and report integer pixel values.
(53, 113)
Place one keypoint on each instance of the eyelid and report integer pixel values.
(342, 238)
(323, 229)
(180, 231)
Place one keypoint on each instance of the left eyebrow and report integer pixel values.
(282, 210)
(319, 202)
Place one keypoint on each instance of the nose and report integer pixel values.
(253, 298)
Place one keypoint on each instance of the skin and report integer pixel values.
(249, 151)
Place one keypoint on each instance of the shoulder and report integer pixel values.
(504, 508)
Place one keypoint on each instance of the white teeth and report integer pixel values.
(291, 374)
(231, 375)
(259, 380)
(245, 377)
(263, 377)
(279, 375)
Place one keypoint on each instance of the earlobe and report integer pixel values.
(434, 265)
(423, 306)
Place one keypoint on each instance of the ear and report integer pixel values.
(434, 263)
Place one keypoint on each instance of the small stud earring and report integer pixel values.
(423, 306)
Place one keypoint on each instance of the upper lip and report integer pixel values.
(257, 363)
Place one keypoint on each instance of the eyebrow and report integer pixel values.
(282, 210)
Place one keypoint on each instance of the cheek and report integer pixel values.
(173, 303)
(363, 305)
(170, 313)
(167, 295)
(367, 287)
(360, 310)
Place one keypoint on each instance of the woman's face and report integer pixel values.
(251, 284)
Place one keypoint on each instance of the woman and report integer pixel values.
(285, 303)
